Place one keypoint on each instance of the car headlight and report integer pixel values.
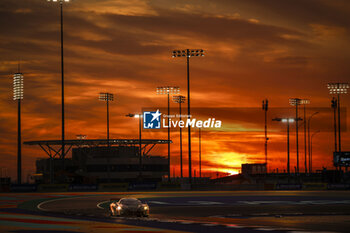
(145, 207)
(119, 207)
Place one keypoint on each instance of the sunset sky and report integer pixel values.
(254, 49)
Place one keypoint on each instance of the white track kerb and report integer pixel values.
(101, 203)
(56, 199)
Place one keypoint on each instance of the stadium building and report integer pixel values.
(93, 161)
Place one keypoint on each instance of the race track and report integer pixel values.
(241, 211)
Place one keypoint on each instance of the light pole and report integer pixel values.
(180, 99)
(296, 102)
(62, 78)
(308, 133)
(288, 121)
(140, 141)
(305, 102)
(311, 149)
(334, 106)
(107, 97)
(18, 96)
(168, 90)
(265, 106)
(200, 151)
(188, 53)
(337, 89)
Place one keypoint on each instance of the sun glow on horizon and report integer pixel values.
(230, 172)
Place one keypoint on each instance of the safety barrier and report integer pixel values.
(53, 187)
(338, 186)
(288, 187)
(168, 186)
(113, 187)
(83, 187)
(23, 187)
(314, 186)
(142, 186)
(154, 186)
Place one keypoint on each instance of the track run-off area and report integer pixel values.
(187, 211)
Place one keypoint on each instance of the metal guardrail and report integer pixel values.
(154, 186)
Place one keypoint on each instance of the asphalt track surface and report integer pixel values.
(239, 211)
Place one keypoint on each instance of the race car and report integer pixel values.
(129, 207)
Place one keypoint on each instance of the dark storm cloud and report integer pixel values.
(4, 129)
(123, 36)
(40, 23)
(292, 60)
(129, 55)
(25, 48)
(301, 11)
(207, 27)
(209, 164)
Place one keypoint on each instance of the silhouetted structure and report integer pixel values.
(265, 107)
(253, 168)
(92, 159)
(168, 90)
(309, 141)
(188, 53)
(18, 96)
(296, 102)
(338, 89)
(63, 151)
(180, 99)
(140, 140)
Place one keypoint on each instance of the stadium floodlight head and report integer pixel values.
(106, 97)
(180, 99)
(81, 136)
(18, 86)
(284, 120)
(297, 101)
(338, 88)
(188, 53)
(304, 101)
(165, 90)
(134, 115)
(60, 1)
(294, 101)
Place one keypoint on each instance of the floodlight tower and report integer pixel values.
(62, 77)
(180, 99)
(334, 106)
(265, 106)
(296, 102)
(18, 96)
(337, 89)
(288, 121)
(140, 140)
(305, 102)
(107, 97)
(168, 90)
(188, 53)
(200, 151)
(309, 137)
(312, 136)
